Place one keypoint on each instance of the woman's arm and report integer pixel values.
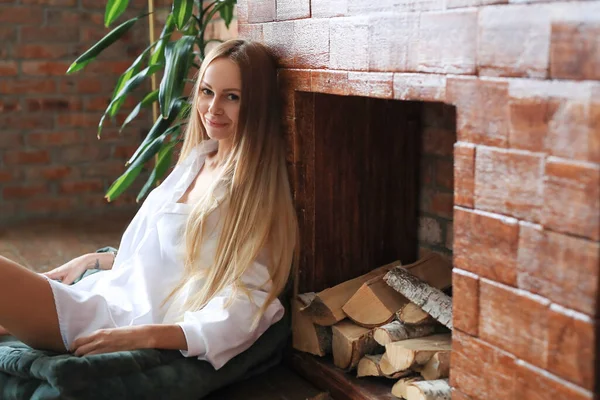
(168, 337)
(72, 270)
(102, 260)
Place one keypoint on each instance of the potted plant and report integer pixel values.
(175, 58)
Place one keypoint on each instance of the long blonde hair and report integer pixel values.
(260, 214)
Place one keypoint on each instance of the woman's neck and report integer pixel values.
(218, 158)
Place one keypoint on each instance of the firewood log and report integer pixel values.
(412, 353)
(307, 336)
(350, 343)
(429, 390)
(430, 299)
(325, 308)
(399, 388)
(369, 366)
(412, 314)
(375, 303)
(437, 367)
(433, 269)
(395, 331)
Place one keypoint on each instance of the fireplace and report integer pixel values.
(375, 95)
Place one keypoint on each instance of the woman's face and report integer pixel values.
(219, 98)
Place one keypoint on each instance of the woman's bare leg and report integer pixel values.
(27, 308)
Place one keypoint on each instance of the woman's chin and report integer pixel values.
(218, 134)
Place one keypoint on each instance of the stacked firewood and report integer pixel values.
(393, 322)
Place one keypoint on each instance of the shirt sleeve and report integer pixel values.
(217, 334)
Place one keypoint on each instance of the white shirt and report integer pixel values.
(148, 266)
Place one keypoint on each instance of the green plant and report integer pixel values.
(175, 58)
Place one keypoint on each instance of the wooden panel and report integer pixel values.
(357, 185)
(304, 154)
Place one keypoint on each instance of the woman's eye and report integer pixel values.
(233, 97)
(207, 92)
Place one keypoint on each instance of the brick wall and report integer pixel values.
(51, 164)
(437, 178)
(523, 77)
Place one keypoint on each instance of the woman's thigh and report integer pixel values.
(27, 308)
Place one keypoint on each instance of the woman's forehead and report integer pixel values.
(222, 73)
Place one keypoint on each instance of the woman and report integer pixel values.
(201, 265)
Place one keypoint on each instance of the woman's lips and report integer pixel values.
(215, 124)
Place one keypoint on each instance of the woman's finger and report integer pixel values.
(68, 279)
(80, 341)
(85, 349)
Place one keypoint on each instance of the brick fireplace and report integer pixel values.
(383, 99)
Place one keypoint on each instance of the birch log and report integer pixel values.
(413, 353)
(429, 390)
(306, 336)
(399, 388)
(374, 303)
(412, 314)
(369, 366)
(435, 302)
(395, 331)
(350, 343)
(437, 367)
(325, 307)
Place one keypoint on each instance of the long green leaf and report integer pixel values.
(158, 55)
(182, 10)
(129, 86)
(122, 183)
(102, 44)
(165, 156)
(114, 9)
(160, 126)
(178, 59)
(226, 12)
(123, 79)
(146, 102)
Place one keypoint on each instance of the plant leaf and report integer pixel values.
(182, 10)
(165, 156)
(123, 79)
(178, 60)
(129, 86)
(114, 9)
(122, 183)
(160, 126)
(226, 12)
(146, 102)
(158, 55)
(102, 44)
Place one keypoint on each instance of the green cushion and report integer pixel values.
(26, 373)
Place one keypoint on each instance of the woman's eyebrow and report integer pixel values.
(225, 90)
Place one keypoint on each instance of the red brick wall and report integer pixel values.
(437, 178)
(524, 79)
(51, 164)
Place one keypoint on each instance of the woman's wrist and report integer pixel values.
(103, 261)
(167, 336)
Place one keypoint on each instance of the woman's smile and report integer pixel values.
(216, 124)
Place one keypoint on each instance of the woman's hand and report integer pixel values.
(111, 340)
(3, 331)
(72, 270)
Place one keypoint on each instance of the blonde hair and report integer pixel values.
(260, 213)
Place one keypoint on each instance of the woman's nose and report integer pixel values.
(215, 106)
